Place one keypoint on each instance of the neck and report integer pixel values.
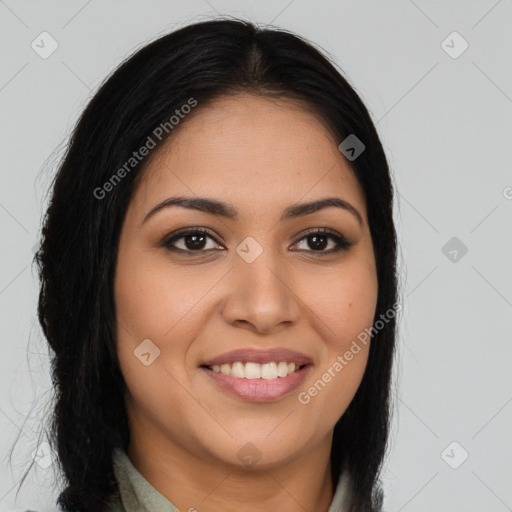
(196, 483)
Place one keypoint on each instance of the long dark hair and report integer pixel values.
(80, 234)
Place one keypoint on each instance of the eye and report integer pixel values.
(195, 240)
(191, 240)
(319, 238)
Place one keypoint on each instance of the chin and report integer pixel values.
(257, 452)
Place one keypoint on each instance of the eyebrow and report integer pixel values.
(228, 211)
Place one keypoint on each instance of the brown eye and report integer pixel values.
(319, 239)
(193, 240)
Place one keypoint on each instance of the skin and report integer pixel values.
(260, 155)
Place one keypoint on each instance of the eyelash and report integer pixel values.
(341, 242)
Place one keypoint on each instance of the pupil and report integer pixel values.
(319, 242)
(195, 241)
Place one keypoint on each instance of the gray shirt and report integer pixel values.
(136, 494)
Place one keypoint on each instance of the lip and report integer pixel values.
(260, 356)
(259, 390)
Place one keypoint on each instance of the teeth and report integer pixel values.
(269, 371)
(238, 370)
(251, 370)
(282, 369)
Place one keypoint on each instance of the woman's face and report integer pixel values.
(261, 281)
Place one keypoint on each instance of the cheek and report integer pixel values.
(343, 306)
(152, 304)
(157, 302)
(344, 303)
(153, 300)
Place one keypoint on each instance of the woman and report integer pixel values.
(218, 283)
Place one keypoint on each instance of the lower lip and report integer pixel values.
(259, 390)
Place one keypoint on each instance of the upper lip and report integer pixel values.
(259, 356)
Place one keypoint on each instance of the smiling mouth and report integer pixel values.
(255, 382)
(251, 370)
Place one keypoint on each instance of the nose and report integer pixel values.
(261, 296)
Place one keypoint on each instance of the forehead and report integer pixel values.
(252, 151)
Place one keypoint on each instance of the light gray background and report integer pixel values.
(446, 124)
